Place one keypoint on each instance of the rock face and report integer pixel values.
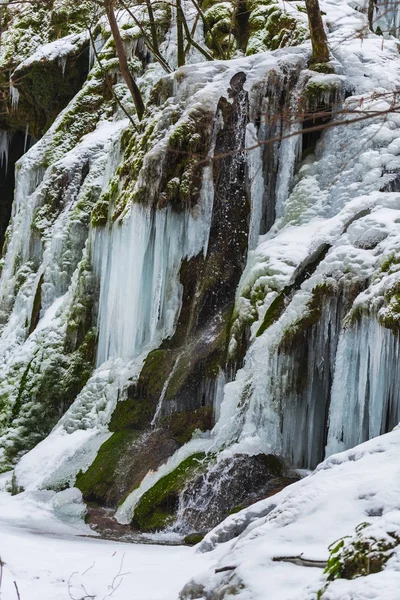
(183, 297)
(228, 487)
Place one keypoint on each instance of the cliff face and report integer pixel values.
(211, 295)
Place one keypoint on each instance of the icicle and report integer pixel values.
(5, 139)
(26, 140)
(289, 153)
(62, 61)
(98, 46)
(14, 97)
(387, 17)
(138, 262)
(257, 183)
(366, 386)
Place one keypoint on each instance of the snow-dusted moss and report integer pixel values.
(34, 63)
(273, 26)
(323, 90)
(222, 33)
(157, 507)
(360, 555)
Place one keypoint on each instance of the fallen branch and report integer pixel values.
(300, 561)
(223, 569)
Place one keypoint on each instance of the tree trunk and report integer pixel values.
(123, 61)
(153, 27)
(371, 9)
(179, 34)
(320, 52)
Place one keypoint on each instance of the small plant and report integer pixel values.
(359, 555)
(13, 488)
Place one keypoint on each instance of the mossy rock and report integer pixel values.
(97, 480)
(46, 393)
(157, 507)
(236, 509)
(193, 538)
(121, 464)
(271, 28)
(132, 413)
(44, 91)
(273, 313)
(182, 425)
(360, 555)
(320, 93)
(137, 411)
(99, 216)
(310, 317)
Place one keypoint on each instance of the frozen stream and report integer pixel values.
(50, 560)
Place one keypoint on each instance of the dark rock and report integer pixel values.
(231, 484)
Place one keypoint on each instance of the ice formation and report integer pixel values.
(89, 261)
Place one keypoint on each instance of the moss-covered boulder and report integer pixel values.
(157, 507)
(271, 27)
(38, 79)
(230, 485)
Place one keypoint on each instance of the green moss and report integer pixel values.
(38, 105)
(182, 425)
(137, 411)
(156, 508)
(311, 315)
(99, 216)
(82, 317)
(157, 367)
(37, 305)
(236, 509)
(221, 35)
(17, 405)
(45, 392)
(193, 538)
(317, 93)
(325, 68)
(389, 317)
(271, 28)
(273, 313)
(99, 478)
(132, 413)
(392, 261)
(361, 555)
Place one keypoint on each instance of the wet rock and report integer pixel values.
(228, 487)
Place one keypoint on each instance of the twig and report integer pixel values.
(149, 44)
(89, 568)
(17, 590)
(301, 562)
(115, 96)
(1, 572)
(190, 39)
(223, 569)
(87, 595)
(114, 586)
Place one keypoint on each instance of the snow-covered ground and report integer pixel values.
(45, 549)
(359, 486)
(53, 559)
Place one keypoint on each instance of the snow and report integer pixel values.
(304, 519)
(43, 548)
(59, 49)
(49, 554)
(332, 203)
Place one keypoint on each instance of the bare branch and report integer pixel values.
(301, 562)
